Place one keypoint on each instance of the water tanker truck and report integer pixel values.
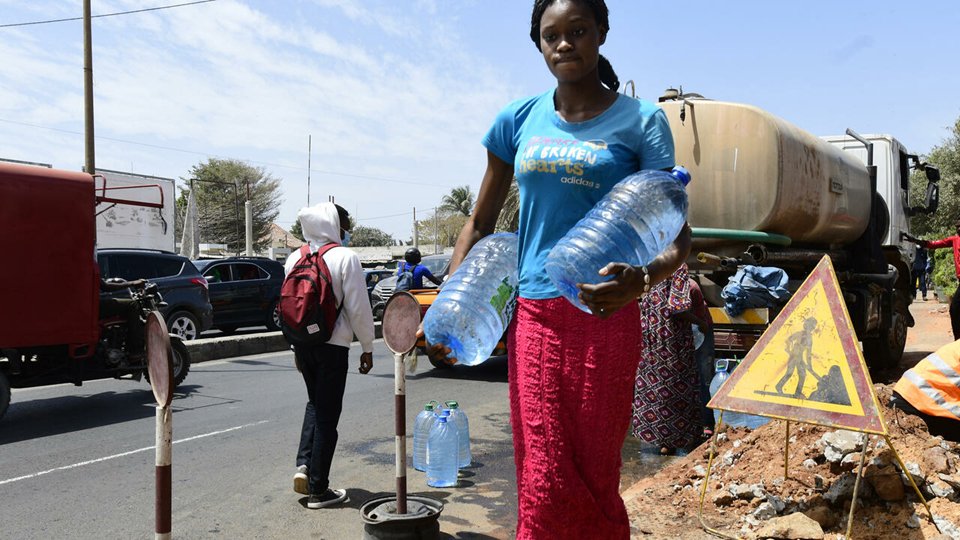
(767, 193)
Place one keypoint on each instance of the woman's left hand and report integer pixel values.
(604, 299)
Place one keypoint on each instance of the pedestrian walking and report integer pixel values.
(666, 404)
(324, 365)
(918, 278)
(571, 373)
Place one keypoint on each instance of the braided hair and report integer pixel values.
(600, 12)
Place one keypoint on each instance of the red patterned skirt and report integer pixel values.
(571, 387)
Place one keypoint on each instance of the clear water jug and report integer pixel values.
(459, 417)
(722, 373)
(442, 452)
(475, 305)
(421, 431)
(633, 223)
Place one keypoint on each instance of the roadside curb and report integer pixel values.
(217, 348)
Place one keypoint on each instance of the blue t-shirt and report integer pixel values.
(563, 169)
(418, 272)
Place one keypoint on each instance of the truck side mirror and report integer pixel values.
(933, 174)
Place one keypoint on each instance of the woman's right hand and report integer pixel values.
(437, 353)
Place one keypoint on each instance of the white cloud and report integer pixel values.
(231, 79)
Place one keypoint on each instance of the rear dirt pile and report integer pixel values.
(747, 496)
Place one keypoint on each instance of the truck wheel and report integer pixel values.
(4, 394)
(885, 352)
(181, 361)
(184, 325)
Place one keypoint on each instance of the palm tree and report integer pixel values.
(459, 201)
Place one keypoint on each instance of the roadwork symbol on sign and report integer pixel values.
(807, 366)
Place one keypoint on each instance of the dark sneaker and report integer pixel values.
(300, 480)
(329, 498)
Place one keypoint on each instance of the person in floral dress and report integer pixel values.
(666, 405)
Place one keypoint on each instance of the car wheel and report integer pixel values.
(4, 394)
(378, 311)
(273, 316)
(181, 361)
(184, 325)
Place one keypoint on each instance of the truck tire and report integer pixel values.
(181, 360)
(885, 352)
(4, 394)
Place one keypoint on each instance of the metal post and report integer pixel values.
(786, 454)
(436, 231)
(400, 413)
(309, 156)
(248, 213)
(856, 487)
(164, 472)
(416, 235)
(90, 165)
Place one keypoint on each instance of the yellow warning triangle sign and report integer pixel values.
(807, 366)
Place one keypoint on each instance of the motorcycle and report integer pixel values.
(120, 351)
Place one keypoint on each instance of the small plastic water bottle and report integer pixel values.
(475, 305)
(633, 223)
(731, 418)
(459, 417)
(421, 431)
(442, 450)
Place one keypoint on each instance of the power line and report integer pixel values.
(106, 14)
(208, 155)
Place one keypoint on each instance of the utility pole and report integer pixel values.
(309, 156)
(248, 214)
(90, 165)
(416, 236)
(436, 232)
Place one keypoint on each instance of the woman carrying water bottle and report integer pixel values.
(571, 373)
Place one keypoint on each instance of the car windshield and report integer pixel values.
(435, 264)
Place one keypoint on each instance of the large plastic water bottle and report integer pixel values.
(459, 417)
(633, 223)
(475, 305)
(731, 418)
(442, 450)
(421, 431)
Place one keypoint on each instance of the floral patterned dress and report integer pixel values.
(666, 405)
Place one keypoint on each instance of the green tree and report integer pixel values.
(946, 157)
(222, 186)
(460, 201)
(297, 230)
(362, 236)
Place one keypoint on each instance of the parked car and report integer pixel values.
(184, 291)
(244, 291)
(373, 277)
(438, 265)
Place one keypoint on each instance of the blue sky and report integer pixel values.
(397, 93)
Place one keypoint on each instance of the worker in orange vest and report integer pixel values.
(931, 390)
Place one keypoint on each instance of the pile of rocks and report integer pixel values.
(747, 494)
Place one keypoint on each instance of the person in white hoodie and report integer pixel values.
(324, 367)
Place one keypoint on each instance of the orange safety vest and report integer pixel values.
(933, 385)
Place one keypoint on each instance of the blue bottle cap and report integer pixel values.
(682, 174)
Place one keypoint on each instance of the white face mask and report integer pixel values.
(346, 238)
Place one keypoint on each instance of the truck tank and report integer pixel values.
(753, 171)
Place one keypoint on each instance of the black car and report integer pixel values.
(188, 311)
(244, 291)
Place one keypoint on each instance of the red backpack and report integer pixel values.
(308, 307)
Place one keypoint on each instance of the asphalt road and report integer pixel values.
(78, 462)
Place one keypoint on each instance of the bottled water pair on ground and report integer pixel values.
(441, 442)
(722, 371)
(633, 223)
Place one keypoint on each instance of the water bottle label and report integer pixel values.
(505, 301)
